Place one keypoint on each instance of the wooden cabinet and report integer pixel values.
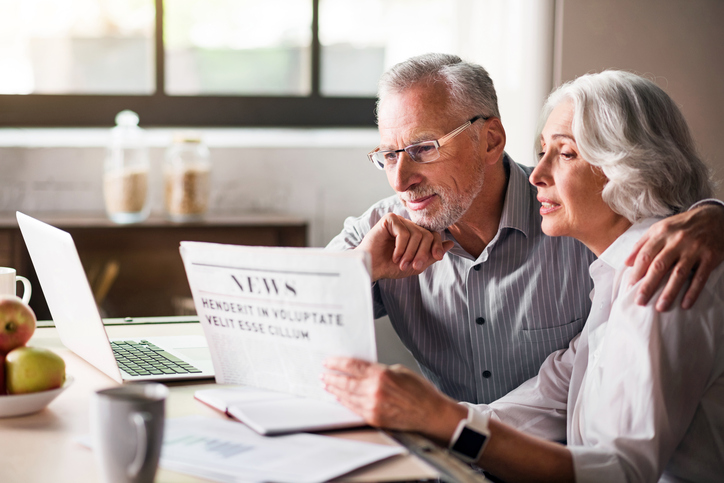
(136, 270)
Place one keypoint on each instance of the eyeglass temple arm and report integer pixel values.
(451, 135)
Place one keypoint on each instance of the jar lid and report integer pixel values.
(187, 137)
(127, 118)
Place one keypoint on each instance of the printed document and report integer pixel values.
(222, 450)
(271, 316)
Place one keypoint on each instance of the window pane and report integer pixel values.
(248, 47)
(360, 39)
(77, 47)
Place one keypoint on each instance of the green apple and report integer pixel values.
(17, 323)
(33, 369)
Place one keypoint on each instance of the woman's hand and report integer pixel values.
(393, 397)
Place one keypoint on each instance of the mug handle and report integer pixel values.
(27, 289)
(140, 421)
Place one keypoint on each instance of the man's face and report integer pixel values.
(436, 194)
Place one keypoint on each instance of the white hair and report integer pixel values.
(470, 87)
(631, 129)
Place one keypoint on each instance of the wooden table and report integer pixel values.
(41, 448)
(136, 270)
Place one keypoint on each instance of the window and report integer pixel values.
(238, 47)
(244, 62)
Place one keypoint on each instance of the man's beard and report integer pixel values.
(452, 204)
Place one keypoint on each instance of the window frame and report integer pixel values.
(160, 109)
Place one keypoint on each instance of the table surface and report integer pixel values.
(42, 447)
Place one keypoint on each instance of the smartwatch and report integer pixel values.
(470, 437)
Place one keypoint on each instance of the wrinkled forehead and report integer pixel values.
(560, 120)
(416, 114)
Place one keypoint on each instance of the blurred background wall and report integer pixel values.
(677, 43)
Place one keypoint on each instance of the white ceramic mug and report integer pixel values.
(127, 431)
(9, 282)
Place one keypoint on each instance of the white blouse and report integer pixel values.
(638, 395)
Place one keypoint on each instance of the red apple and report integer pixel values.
(17, 323)
(33, 369)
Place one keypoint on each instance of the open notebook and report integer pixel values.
(270, 412)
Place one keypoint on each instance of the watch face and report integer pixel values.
(469, 443)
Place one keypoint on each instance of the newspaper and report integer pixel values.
(273, 315)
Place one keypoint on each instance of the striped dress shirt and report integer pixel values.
(480, 327)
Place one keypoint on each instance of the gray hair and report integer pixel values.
(470, 87)
(630, 128)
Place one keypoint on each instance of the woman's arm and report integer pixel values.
(645, 387)
(515, 456)
(396, 398)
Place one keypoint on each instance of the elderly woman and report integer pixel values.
(639, 394)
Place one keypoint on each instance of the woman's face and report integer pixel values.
(569, 188)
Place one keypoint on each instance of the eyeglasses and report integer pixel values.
(424, 152)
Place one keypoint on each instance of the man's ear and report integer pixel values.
(494, 144)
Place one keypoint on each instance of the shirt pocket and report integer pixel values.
(564, 332)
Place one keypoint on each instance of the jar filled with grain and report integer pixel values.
(125, 178)
(187, 172)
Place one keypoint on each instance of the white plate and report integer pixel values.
(20, 404)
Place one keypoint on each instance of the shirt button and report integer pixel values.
(487, 374)
(480, 321)
(476, 268)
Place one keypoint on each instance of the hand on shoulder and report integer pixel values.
(690, 244)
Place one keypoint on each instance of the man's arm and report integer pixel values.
(690, 241)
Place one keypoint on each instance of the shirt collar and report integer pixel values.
(621, 248)
(516, 208)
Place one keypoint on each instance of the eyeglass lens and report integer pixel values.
(421, 153)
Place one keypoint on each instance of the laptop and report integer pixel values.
(81, 328)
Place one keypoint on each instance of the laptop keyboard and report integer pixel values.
(145, 359)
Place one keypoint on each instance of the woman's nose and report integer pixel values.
(540, 176)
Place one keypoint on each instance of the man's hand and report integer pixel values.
(392, 397)
(400, 248)
(693, 240)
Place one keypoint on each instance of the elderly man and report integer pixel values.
(478, 294)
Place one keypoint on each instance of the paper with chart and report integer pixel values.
(226, 451)
(273, 315)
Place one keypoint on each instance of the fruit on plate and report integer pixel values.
(33, 369)
(17, 323)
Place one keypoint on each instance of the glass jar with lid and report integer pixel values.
(187, 173)
(126, 169)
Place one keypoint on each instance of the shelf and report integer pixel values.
(136, 270)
